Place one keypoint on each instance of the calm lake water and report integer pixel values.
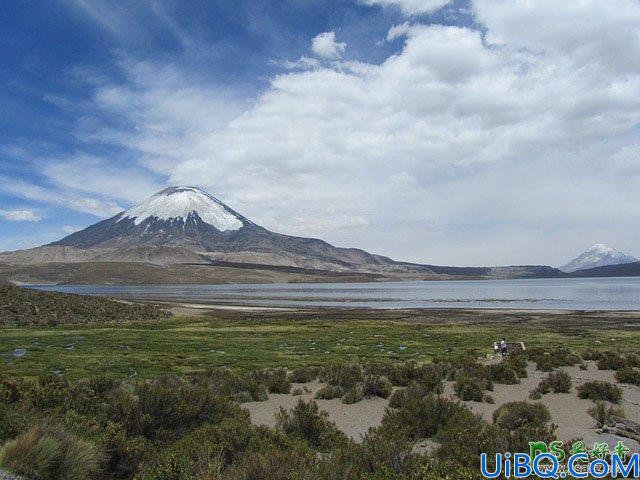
(543, 294)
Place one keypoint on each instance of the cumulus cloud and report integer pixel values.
(20, 215)
(326, 46)
(467, 146)
(411, 7)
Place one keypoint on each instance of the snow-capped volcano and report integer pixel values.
(188, 225)
(599, 255)
(179, 203)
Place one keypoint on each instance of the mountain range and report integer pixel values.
(185, 235)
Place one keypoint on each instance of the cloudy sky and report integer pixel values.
(463, 132)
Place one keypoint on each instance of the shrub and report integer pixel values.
(124, 454)
(353, 395)
(427, 416)
(628, 375)
(303, 375)
(556, 382)
(632, 360)
(602, 413)
(203, 453)
(297, 391)
(502, 373)
(590, 354)
(275, 379)
(329, 392)
(271, 464)
(516, 415)
(345, 376)
(50, 453)
(308, 422)
(611, 361)
(374, 386)
(167, 407)
(467, 388)
(598, 390)
(518, 363)
(402, 395)
(227, 382)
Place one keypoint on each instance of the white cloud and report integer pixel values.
(411, 7)
(326, 46)
(71, 229)
(20, 215)
(454, 150)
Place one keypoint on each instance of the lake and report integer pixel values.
(542, 294)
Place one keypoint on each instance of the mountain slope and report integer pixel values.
(187, 227)
(620, 270)
(599, 255)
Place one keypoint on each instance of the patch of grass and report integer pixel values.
(25, 306)
(184, 345)
(51, 453)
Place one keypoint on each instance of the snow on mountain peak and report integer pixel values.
(598, 255)
(179, 203)
(601, 248)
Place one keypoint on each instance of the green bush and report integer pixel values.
(556, 382)
(239, 386)
(516, 415)
(628, 375)
(374, 386)
(303, 375)
(270, 464)
(427, 416)
(308, 422)
(598, 390)
(165, 408)
(611, 361)
(502, 373)
(50, 453)
(518, 363)
(353, 395)
(329, 392)
(204, 452)
(468, 388)
(603, 411)
(278, 381)
(402, 395)
(344, 376)
(590, 354)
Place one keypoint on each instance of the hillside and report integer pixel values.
(24, 306)
(623, 270)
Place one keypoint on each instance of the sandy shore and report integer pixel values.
(568, 411)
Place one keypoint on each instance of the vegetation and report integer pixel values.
(628, 375)
(27, 307)
(160, 399)
(556, 382)
(603, 411)
(51, 453)
(598, 390)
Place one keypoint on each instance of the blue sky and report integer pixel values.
(458, 132)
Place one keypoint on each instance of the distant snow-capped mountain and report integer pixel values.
(599, 255)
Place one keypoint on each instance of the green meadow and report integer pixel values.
(185, 344)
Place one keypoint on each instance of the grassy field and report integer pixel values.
(186, 344)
